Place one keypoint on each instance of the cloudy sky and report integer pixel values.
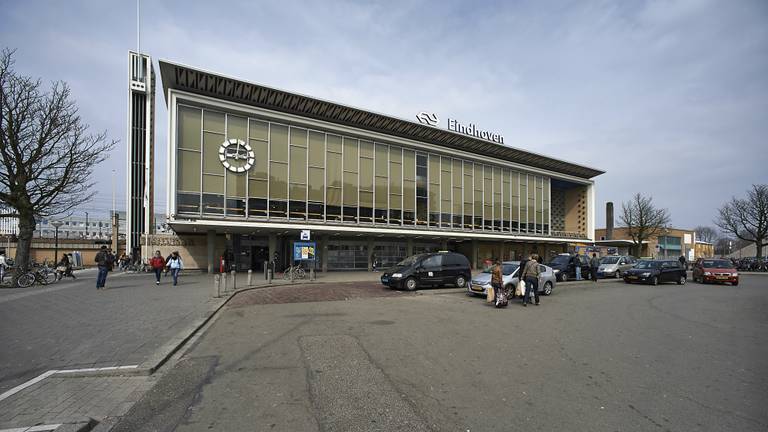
(669, 97)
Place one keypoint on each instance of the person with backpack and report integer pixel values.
(3, 265)
(594, 264)
(158, 264)
(102, 261)
(175, 264)
(530, 275)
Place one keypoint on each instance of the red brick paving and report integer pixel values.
(307, 293)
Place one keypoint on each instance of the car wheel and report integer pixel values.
(564, 277)
(460, 281)
(618, 274)
(548, 288)
(655, 280)
(510, 290)
(681, 281)
(735, 283)
(410, 284)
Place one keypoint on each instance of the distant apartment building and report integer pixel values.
(97, 228)
(9, 226)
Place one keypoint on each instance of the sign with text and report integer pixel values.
(304, 251)
(304, 235)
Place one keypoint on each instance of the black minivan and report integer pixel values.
(429, 269)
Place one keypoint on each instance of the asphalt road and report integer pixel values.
(70, 325)
(605, 357)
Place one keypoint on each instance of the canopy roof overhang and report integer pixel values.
(180, 77)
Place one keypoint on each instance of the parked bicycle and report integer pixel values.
(42, 276)
(294, 272)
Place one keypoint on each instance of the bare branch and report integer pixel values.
(642, 219)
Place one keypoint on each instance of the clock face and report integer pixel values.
(236, 155)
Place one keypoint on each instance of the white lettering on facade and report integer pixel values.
(472, 130)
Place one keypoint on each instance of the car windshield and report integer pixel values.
(648, 265)
(609, 260)
(716, 264)
(560, 259)
(410, 260)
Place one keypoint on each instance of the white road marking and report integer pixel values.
(45, 375)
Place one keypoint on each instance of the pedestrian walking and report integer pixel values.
(683, 263)
(577, 266)
(594, 264)
(530, 275)
(158, 264)
(64, 267)
(497, 282)
(175, 265)
(103, 263)
(3, 265)
(373, 261)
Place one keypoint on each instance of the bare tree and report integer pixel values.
(48, 155)
(643, 220)
(747, 219)
(706, 234)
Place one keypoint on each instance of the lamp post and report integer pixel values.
(86, 225)
(56, 225)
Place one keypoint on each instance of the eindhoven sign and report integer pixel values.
(470, 129)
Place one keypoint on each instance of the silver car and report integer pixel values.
(615, 265)
(481, 282)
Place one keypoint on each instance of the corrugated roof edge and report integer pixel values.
(582, 171)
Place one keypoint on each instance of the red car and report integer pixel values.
(715, 270)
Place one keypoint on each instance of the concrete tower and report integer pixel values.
(140, 144)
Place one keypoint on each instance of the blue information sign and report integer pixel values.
(304, 251)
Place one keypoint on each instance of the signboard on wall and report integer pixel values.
(304, 235)
(304, 251)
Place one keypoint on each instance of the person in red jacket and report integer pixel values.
(158, 263)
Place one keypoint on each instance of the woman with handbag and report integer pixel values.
(497, 282)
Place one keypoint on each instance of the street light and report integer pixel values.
(56, 225)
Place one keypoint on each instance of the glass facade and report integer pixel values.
(301, 174)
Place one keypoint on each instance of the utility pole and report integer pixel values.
(86, 225)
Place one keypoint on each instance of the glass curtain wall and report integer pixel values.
(303, 174)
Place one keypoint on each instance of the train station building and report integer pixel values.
(252, 167)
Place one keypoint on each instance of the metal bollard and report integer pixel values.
(250, 276)
(266, 271)
(226, 282)
(269, 276)
(216, 286)
(291, 273)
(312, 274)
(234, 281)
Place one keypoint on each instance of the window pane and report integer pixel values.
(334, 169)
(259, 168)
(334, 196)
(381, 192)
(395, 178)
(235, 184)
(188, 171)
(366, 149)
(316, 184)
(382, 160)
(213, 121)
(213, 184)
(434, 168)
(366, 199)
(211, 144)
(316, 149)
(396, 154)
(259, 130)
(257, 188)
(350, 189)
(409, 165)
(298, 192)
(278, 143)
(298, 165)
(409, 195)
(350, 155)
(366, 174)
(278, 180)
(189, 127)
(298, 137)
(237, 127)
(334, 143)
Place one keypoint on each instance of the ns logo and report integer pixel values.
(430, 119)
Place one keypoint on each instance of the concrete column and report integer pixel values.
(409, 247)
(272, 244)
(210, 239)
(324, 255)
(475, 253)
(370, 254)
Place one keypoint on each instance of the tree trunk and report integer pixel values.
(26, 230)
(759, 248)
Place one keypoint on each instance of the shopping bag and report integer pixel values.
(520, 290)
(489, 295)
